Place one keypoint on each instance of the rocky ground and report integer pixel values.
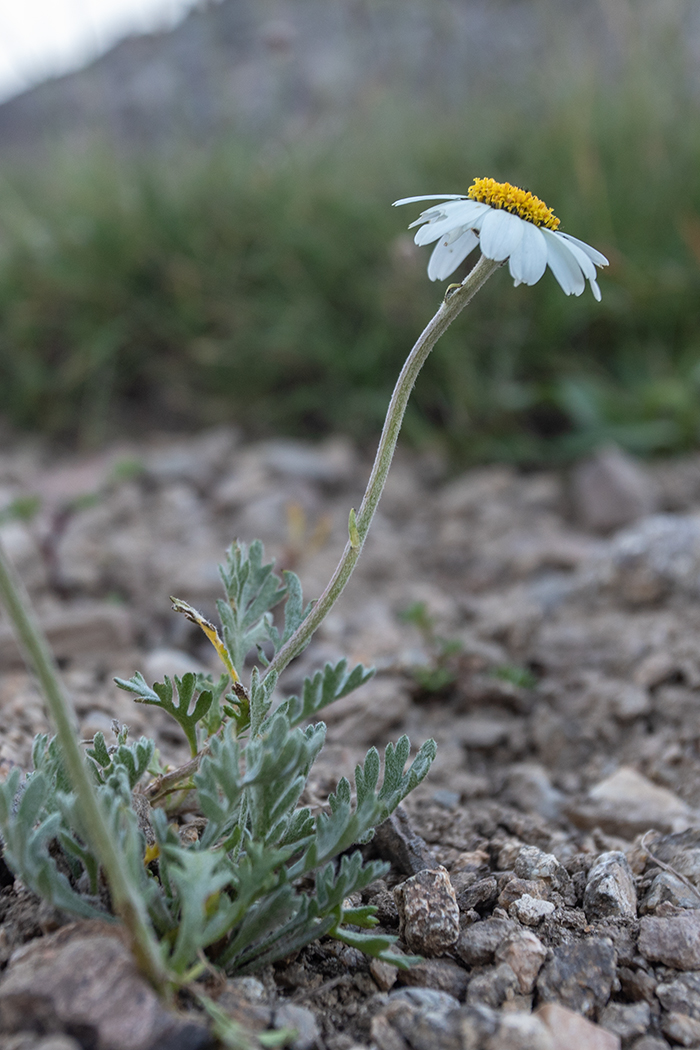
(541, 627)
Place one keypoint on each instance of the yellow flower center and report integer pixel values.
(512, 199)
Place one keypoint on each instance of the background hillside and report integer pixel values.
(196, 228)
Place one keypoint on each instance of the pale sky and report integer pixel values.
(43, 38)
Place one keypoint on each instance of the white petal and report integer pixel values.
(430, 197)
(589, 270)
(459, 216)
(501, 234)
(597, 257)
(529, 260)
(563, 263)
(446, 256)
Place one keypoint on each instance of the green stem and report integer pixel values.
(126, 899)
(451, 306)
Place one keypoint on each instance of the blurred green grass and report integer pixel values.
(275, 288)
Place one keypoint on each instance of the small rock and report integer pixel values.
(479, 895)
(384, 1036)
(529, 788)
(656, 557)
(440, 974)
(419, 1018)
(573, 1032)
(160, 662)
(682, 852)
(610, 890)
(483, 734)
(493, 986)
(428, 912)
(525, 954)
(673, 940)
(637, 984)
(627, 804)
(681, 995)
(83, 978)
(533, 863)
(332, 462)
(396, 841)
(426, 999)
(667, 888)
(515, 888)
(478, 943)
(77, 629)
(521, 1031)
(530, 910)
(244, 1005)
(626, 1019)
(610, 490)
(650, 1042)
(579, 975)
(384, 974)
(289, 1015)
(681, 1028)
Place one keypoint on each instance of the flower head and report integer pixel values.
(507, 223)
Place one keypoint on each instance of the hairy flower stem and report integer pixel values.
(452, 305)
(125, 896)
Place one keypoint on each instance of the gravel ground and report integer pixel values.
(549, 868)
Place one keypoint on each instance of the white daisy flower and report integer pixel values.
(507, 223)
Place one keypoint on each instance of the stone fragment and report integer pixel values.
(420, 1018)
(682, 852)
(637, 984)
(79, 628)
(515, 888)
(525, 954)
(162, 661)
(290, 1015)
(681, 1028)
(32, 1042)
(673, 940)
(610, 890)
(479, 895)
(650, 1042)
(493, 986)
(425, 999)
(384, 1036)
(579, 976)
(667, 888)
(368, 716)
(521, 1031)
(428, 912)
(444, 975)
(573, 1032)
(534, 863)
(656, 557)
(478, 943)
(83, 978)
(681, 995)
(626, 1019)
(332, 462)
(627, 804)
(531, 910)
(610, 490)
(243, 1003)
(397, 841)
(529, 787)
(384, 974)
(482, 733)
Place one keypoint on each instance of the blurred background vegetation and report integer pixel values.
(264, 280)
